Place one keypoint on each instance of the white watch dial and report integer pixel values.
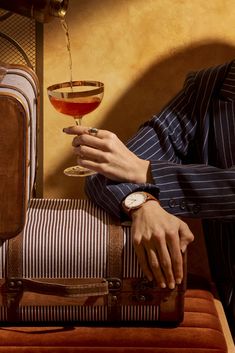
(134, 200)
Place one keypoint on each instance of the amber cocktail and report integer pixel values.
(76, 99)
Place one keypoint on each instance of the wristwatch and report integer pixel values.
(135, 200)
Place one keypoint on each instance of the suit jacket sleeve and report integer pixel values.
(190, 190)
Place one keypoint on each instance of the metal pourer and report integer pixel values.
(41, 10)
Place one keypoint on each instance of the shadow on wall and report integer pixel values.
(160, 83)
(146, 97)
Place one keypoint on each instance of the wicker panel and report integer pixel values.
(17, 39)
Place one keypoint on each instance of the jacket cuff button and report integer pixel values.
(172, 203)
(196, 209)
(183, 205)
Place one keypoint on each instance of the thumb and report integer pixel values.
(75, 130)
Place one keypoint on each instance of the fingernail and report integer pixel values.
(171, 285)
(64, 129)
(178, 280)
(163, 285)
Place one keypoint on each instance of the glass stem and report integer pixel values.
(78, 121)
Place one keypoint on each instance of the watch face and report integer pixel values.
(134, 200)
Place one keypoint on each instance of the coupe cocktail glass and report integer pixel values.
(76, 99)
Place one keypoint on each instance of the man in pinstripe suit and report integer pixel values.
(184, 158)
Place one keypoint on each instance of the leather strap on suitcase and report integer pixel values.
(115, 270)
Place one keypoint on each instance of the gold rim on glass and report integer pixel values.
(53, 90)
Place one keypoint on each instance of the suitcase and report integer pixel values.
(74, 265)
(63, 261)
(19, 97)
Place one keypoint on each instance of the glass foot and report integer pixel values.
(78, 171)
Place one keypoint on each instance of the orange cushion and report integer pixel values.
(200, 332)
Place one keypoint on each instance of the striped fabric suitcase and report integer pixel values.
(19, 95)
(74, 265)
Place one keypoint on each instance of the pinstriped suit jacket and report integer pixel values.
(191, 146)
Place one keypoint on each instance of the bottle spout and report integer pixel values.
(41, 10)
(59, 8)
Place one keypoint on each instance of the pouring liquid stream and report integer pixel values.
(82, 106)
(68, 45)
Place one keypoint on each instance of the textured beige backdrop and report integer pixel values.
(141, 50)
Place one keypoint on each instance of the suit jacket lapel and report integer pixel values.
(224, 121)
(228, 87)
(208, 85)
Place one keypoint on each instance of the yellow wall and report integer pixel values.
(141, 50)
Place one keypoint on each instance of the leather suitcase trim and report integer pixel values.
(10, 87)
(17, 105)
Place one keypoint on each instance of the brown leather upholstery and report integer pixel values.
(12, 166)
